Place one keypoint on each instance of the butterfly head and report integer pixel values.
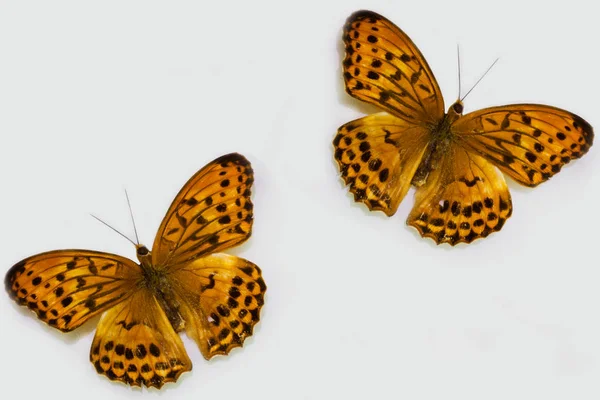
(455, 111)
(143, 254)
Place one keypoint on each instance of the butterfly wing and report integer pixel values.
(136, 344)
(378, 156)
(221, 297)
(464, 198)
(211, 213)
(383, 67)
(529, 142)
(65, 288)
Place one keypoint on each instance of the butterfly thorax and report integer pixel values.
(441, 138)
(157, 281)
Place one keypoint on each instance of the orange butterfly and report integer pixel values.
(183, 284)
(453, 160)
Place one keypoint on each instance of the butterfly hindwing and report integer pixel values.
(221, 297)
(136, 344)
(378, 156)
(383, 67)
(65, 288)
(211, 213)
(464, 198)
(529, 142)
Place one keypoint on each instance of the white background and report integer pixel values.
(98, 96)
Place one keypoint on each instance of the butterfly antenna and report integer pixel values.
(132, 219)
(479, 80)
(113, 229)
(458, 57)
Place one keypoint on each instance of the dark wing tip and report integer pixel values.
(11, 275)
(587, 129)
(364, 14)
(361, 16)
(235, 158)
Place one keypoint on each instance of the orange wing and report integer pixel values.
(529, 142)
(211, 213)
(384, 67)
(221, 297)
(464, 198)
(65, 288)
(136, 344)
(378, 156)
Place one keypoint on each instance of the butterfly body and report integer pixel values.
(158, 282)
(184, 284)
(439, 142)
(454, 160)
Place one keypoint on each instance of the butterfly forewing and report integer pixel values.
(136, 344)
(211, 213)
(221, 297)
(383, 67)
(65, 288)
(378, 156)
(528, 142)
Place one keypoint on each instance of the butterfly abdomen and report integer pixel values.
(439, 145)
(170, 306)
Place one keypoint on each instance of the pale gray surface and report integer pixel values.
(141, 94)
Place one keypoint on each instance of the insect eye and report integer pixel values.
(458, 108)
(142, 251)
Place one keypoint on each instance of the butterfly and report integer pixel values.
(453, 160)
(184, 284)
